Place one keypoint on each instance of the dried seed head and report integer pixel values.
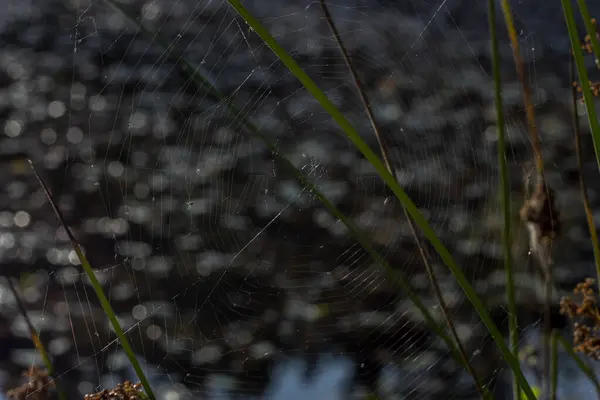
(123, 391)
(586, 333)
(36, 388)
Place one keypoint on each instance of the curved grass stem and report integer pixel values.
(250, 128)
(484, 393)
(35, 338)
(584, 81)
(527, 98)
(505, 203)
(108, 310)
(582, 186)
(387, 177)
(591, 30)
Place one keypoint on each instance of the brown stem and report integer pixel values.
(385, 155)
(527, 98)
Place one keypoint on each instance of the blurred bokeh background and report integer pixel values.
(232, 279)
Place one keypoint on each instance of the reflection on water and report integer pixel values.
(327, 383)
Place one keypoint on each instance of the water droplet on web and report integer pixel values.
(477, 352)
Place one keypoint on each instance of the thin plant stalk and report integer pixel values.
(505, 203)
(484, 393)
(584, 81)
(543, 259)
(591, 30)
(527, 98)
(387, 177)
(35, 338)
(583, 367)
(204, 84)
(583, 187)
(554, 365)
(108, 310)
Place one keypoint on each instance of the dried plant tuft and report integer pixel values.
(586, 335)
(123, 391)
(36, 388)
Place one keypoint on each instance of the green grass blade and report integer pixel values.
(484, 393)
(204, 84)
(554, 365)
(591, 30)
(35, 338)
(582, 186)
(412, 209)
(589, 372)
(584, 81)
(108, 310)
(504, 189)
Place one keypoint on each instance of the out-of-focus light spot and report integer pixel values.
(73, 259)
(151, 11)
(17, 190)
(22, 219)
(115, 169)
(139, 312)
(7, 241)
(48, 136)
(15, 70)
(74, 135)
(59, 346)
(56, 109)
(86, 388)
(6, 219)
(172, 395)
(67, 275)
(13, 128)
(97, 103)
(154, 332)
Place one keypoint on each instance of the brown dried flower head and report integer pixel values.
(123, 391)
(586, 335)
(36, 388)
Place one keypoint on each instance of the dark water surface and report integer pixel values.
(230, 277)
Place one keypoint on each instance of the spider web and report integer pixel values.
(230, 277)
